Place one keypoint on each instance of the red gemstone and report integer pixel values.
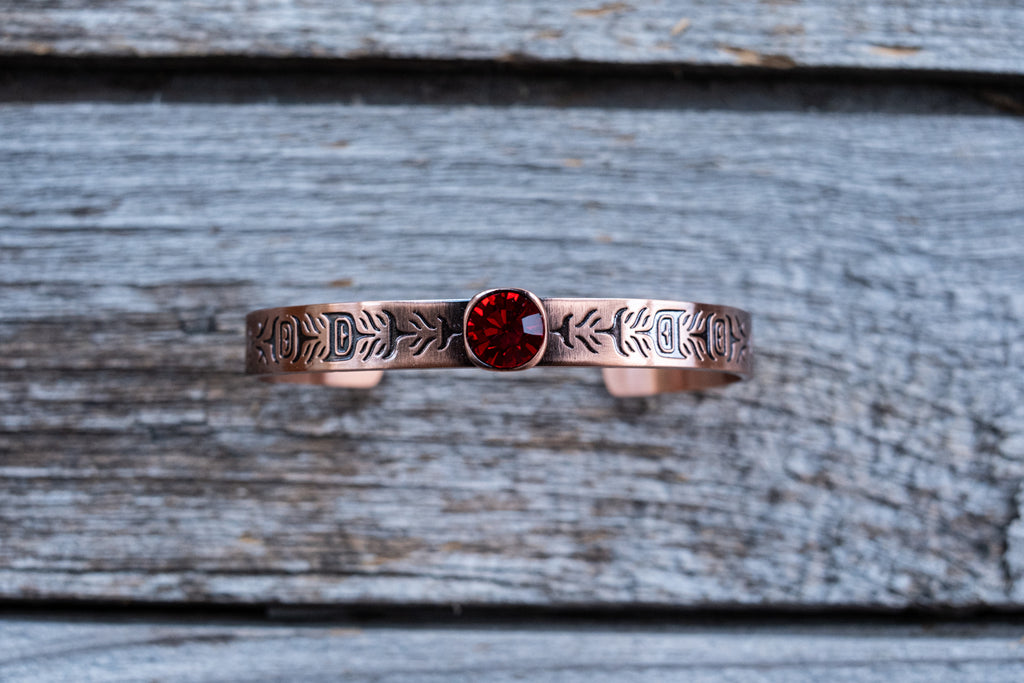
(505, 329)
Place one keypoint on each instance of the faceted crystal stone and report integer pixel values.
(505, 330)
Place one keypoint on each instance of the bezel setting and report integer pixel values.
(473, 310)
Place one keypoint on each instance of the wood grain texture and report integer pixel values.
(979, 35)
(83, 652)
(874, 460)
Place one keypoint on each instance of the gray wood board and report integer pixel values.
(875, 460)
(54, 651)
(981, 35)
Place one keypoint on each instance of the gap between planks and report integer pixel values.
(241, 80)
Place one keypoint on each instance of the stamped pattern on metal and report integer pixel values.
(414, 334)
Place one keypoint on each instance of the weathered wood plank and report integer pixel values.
(81, 651)
(975, 35)
(874, 460)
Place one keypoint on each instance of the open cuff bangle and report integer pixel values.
(645, 346)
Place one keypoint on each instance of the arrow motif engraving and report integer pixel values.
(585, 331)
(631, 331)
(427, 334)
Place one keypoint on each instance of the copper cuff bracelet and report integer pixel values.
(645, 346)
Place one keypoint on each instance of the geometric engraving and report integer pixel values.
(697, 333)
(335, 337)
(302, 341)
(298, 339)
(287, 331)
(288, 339)
(341, 338)
(665, 324)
